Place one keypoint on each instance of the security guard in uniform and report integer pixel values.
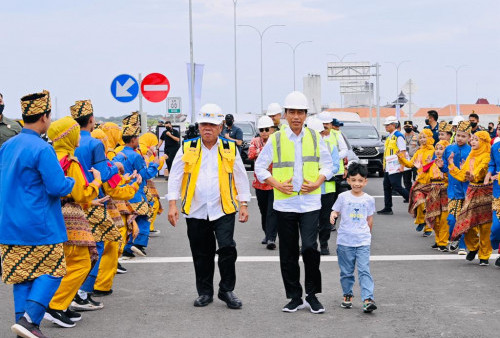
(301, 163)
(200, 165)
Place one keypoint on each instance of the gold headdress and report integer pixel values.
(35, 104)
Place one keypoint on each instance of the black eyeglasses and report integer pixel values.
(264, 130)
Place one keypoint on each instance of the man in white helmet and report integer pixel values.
(301, 163)
(274, 111)
(394, 145)
(263, 191)
(209, 178)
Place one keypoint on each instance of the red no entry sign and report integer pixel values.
(155, 87)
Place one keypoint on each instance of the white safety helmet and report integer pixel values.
(315, 124)
(390, 120)
(456, 120)
(296, 100)
(210, 113)
(325, 117)
(265, 122)
(274, 109)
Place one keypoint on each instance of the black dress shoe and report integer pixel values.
(230, 299)
(385, 212)
(203, 300)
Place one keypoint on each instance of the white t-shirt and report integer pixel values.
(354, 230)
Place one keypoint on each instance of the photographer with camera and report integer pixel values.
(171, 137)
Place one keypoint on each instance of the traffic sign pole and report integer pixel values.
(144, 116)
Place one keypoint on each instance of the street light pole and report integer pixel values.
(397, 74)
(456, 69)
(193, 118)
(261, 35)
(294, 48)
(235, 2)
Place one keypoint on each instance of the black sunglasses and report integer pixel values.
(264, 129)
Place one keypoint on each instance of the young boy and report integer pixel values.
(354, 236)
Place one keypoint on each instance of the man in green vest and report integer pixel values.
(328, 188)
(301, 163)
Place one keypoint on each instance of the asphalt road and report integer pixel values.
(419, 291)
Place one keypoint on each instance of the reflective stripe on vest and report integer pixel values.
(284, 159)
(225, 163)
(331, 141)
(341, 161)
(391, 147)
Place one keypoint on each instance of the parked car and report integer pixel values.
(367, 144)
(249, 132)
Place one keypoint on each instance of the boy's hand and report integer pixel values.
(333, 216)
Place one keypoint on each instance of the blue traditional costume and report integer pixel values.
(456, 189)
(32, 229)
(131, 161)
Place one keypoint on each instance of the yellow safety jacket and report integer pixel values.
(225, 163)
(338, 134)
(331, 141)
(391, 145)
(284, 159)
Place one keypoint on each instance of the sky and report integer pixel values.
(75, 48)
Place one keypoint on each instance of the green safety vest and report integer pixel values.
(338, 134)
(331, 141)
(284, 159)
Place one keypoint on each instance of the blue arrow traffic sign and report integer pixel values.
(124, 88)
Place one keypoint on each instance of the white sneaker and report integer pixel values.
(462, 252)
(154, 233)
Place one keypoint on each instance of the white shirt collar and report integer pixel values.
(290, 133)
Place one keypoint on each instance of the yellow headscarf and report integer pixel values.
(100, 135)
(65, 134)
(429, 145)
(444, 143)
(484, 144)
(114, 134)
(147, 141)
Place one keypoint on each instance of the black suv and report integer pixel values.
(367, 145)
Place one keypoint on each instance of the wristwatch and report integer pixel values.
(244, 204)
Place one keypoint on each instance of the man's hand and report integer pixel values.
(450, 158)
(120, 167)
(100, 201)
(308, 187)
(96, 173)
(173, 213)
(157, 161)
(285, 187)
(243, 214)
(226, 135)
(138, 179)
(333, 216)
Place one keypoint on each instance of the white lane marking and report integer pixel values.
(163, 197)
(254, 259)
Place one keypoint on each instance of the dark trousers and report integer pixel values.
(325, 228)
(393, 182)
(265, 199)
(408, 176)
(289, 226)
(170, 152)
(202, 235)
